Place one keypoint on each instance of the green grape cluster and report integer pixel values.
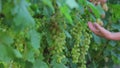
(12, 64)
(38, 23)
(76, 34)
(58, 42)
(84, 48)
(3, 28)
(81, 38)
(19, 42)
(75, 53)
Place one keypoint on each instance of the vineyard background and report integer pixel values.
(55, 34)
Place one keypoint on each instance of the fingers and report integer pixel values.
(98, 26)
(101, 29)
(98, 30)
(92, 27)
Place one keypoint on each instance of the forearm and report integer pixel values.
(115, 36)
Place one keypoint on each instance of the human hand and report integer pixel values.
(100, 31)
(98, 1)
(103, 1)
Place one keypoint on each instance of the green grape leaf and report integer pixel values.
(49, 4)
(0, 6)
(82, 2)
(5, 38)
(3, 53)
(81, 9)
(66, 12)
(64, 9)
(6, 53)
(96, 39)
(59, 66)
(60, 2)
(72, 4)
(100, 9)
(47, 12)
(40, 64)
(18, 14)
(94, 9)
(115, 57)
(34, 38)
(92, 17)
(22, 17)
(68, 34)
(116, 26)
(30, 55)
(112, 43)
(17, 53)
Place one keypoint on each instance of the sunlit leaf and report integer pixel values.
(34, 38)
(49, 4)
(6, 53)
(66, 12)
(72, 3)
(17, 54)
(94, 9)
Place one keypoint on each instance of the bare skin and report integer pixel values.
(103, 1)
(100, 31)
(99, 1)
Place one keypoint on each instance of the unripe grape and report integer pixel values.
(99, 21)
(105, 7)
(106, 59)
(58, 43)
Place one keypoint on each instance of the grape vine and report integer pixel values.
(55, 33)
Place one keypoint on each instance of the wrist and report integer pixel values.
(115, 36)
(111, 37)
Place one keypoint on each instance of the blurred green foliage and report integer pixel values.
(29, 28)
